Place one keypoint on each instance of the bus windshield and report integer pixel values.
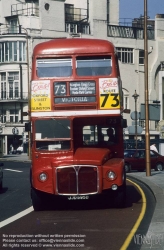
(52, 134)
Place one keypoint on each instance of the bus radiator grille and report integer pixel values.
(77, 180)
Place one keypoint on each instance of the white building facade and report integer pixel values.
(23, 24)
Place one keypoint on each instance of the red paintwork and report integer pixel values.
(73, 46)
(104, 159)
(91, 156)
(94, 156)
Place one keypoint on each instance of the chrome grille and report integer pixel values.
(75, 180)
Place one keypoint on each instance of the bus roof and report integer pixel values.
(72, 46)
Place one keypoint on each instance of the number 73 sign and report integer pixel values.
(109, 93)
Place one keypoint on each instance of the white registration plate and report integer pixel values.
(79, 197)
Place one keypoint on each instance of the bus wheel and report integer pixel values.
(37, 199)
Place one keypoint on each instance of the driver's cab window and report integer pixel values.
(90, 136)
(98, 135)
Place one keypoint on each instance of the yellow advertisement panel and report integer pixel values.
(109, 93)
(40, 96)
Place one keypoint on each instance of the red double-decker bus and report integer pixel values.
(77, 124)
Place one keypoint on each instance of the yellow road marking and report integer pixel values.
(136, 225)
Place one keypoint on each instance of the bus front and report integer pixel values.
(77, 126)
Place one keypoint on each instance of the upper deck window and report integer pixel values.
(91, 66)
(54, 67)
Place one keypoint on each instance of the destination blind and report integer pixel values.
(79, 92)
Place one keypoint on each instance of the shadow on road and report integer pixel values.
(3, 190)
(94, 203)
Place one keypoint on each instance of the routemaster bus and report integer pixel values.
(76, 122)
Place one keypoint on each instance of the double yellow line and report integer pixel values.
(136, 225)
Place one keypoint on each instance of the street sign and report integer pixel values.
(132, 129)
(135, 115)
(15, 131)
(154, 112)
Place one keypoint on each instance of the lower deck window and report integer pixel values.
(52, 134)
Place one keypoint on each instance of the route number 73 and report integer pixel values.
(108, 101)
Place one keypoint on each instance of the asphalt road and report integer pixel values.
(91, 225)
(15, 195)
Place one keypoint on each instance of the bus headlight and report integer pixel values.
(43, 177)
(111, 175)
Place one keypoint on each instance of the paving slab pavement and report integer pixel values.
(154, 239)
(16, 157)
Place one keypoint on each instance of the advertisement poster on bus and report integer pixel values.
(40, 96)
(109, 93)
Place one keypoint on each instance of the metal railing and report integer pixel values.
(75, 14)
(129, 32)
(24, 10)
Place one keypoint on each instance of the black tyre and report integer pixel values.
(1, 185)
(120, 198)
(120, 194)
(37, 200)
(159, 166)
(127, 167)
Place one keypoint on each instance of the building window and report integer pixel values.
(22, 51)
(10, 85)
(3, 86)
(13, 23)
(3, 116)
(125, 99)
(125, 55)
(142, 123)
(71, 28)
(141, 57)
(46, 6)
(69, 12)
(13, 51)
(13, 80)
(14, 115)
(85, 29)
